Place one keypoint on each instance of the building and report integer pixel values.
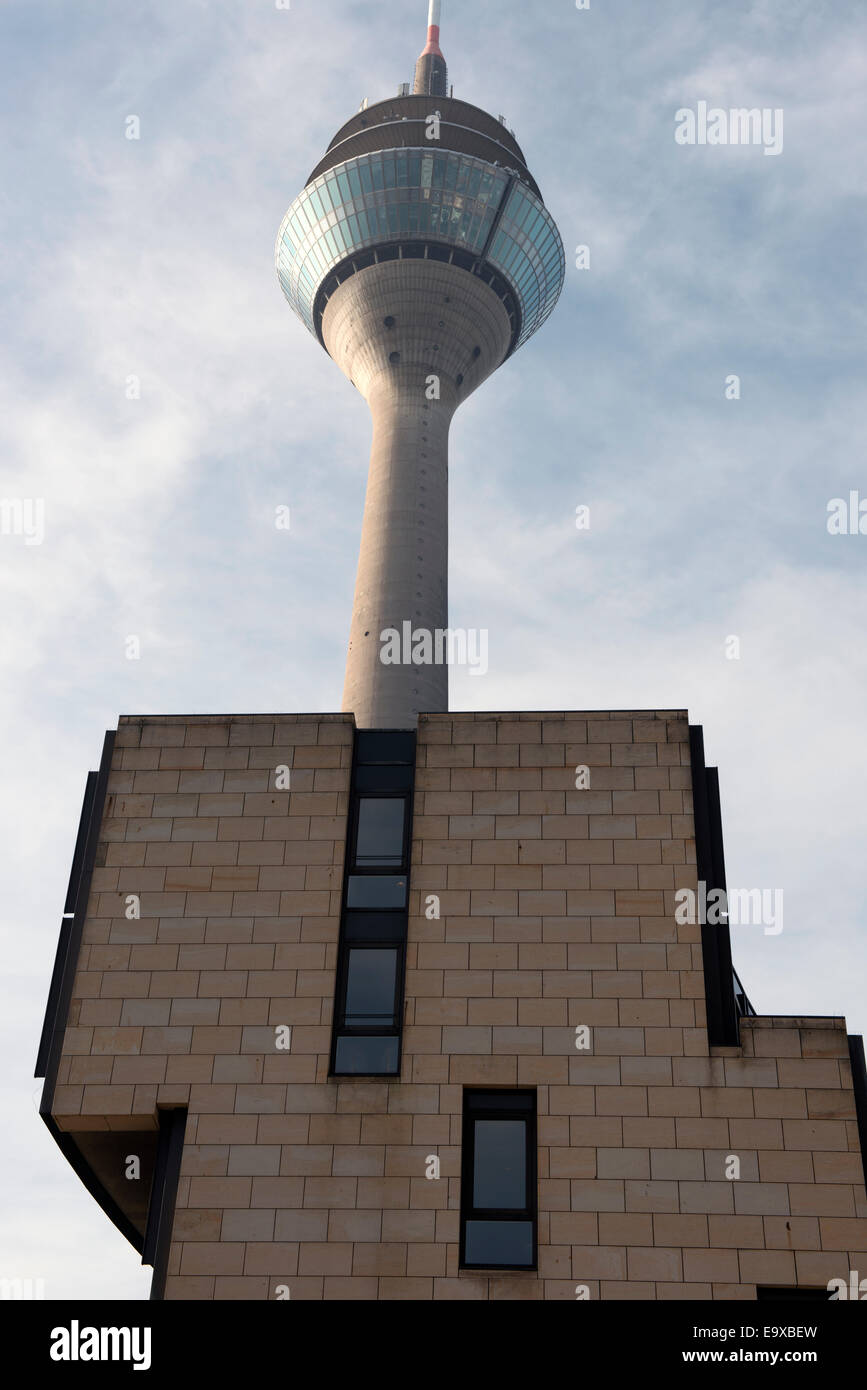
(400, 1003)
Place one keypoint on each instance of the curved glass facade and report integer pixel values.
(422, 195)
(528, 251)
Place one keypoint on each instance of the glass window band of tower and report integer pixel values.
(432, 195)
(393, 134)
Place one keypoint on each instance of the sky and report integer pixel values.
(159, 397)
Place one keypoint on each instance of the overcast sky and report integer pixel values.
(153, 258)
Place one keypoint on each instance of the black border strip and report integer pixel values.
(859, 1081)
(164, 1191)
(722, 1018)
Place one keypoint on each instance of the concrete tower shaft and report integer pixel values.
(416, 337)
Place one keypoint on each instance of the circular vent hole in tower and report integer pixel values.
(388, 321)
(477, 352)
(394, 357)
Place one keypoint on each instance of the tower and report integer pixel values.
(421, 255)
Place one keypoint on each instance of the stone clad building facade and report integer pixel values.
(192, 1023)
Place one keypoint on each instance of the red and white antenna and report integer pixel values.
(431, 73)
(433, 27)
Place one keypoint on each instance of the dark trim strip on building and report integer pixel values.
(164, 1191)
(723, 938)
(80, 844)
(66, 959)
(72, 894)
(859, 1082)
(51, 1009)
(722, 1014)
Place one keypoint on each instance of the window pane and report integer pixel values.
(370, 984)
(499, 1243)
(500, 1167)
(376, 891)
(380, 832)
(366, 1056)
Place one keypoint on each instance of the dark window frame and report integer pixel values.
(481, 1104)
(342, 1030)
(358, 1030)
(383, 766)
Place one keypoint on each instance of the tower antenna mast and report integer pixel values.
(431, 73)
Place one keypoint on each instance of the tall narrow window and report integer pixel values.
(370, 967)
(498, 1181)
